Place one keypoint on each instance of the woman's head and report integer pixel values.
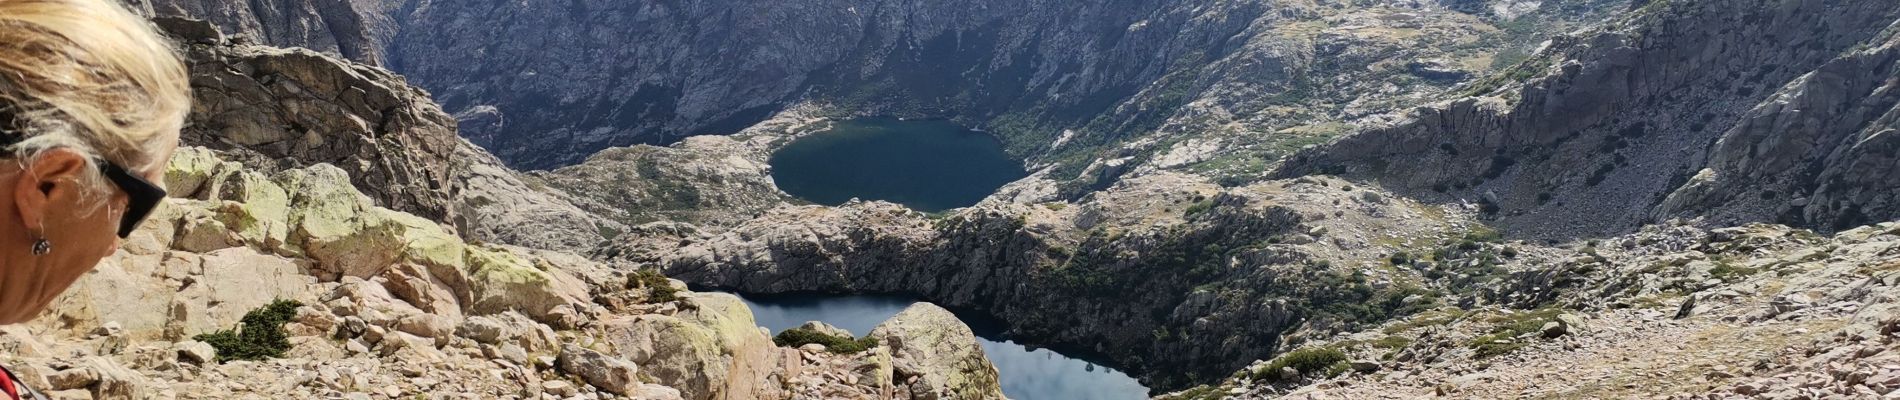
(91, 101)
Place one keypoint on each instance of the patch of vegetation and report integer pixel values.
(834, 343)
(1307, 361)
(1055, 206)
(659, 290)
(1507, 335)
(1434, 318)
(1729, 272)
(1202, 392)
(1198, 207)
(1392, 342)
(258, 336)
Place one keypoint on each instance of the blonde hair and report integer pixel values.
(92, 77)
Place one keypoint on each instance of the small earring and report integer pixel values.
(41, 247)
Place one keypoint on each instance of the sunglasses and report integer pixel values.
(142, 196)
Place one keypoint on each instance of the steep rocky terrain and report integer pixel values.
(1061, 82)
(286, 108)
(378, 302)
(1758, 311)
(354, 29)
(1098, 73)
(1757, 111)
(390, 305)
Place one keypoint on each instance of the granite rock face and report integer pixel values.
(931, 344)
(286, 108)
(353, 29)
(1754, 111)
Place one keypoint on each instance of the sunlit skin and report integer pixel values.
(45, 197)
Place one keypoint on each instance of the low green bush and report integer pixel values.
(659, 290)
(1307, 360)
(258, 336)
(837, 344)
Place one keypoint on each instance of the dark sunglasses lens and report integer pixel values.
(135, 213)
(142, 196)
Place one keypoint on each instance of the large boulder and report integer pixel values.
(606, 372)
(711, 349)
(501, 279)
(929, 343)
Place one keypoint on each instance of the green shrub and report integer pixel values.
(1307, 360)
(258, 336)
(837, 344)
(1199, 207)
(659, 290)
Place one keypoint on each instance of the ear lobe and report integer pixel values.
(51, 179)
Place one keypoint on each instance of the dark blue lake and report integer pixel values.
(1039, 374)
(926, 165)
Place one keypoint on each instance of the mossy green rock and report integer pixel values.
(930, 343)
(713, 350)
(348, 235)
(502, 280)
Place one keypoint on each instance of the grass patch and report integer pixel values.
(1505, 337)
(1729, 272)
(258, 336)
(1434, 318)
(834, 343)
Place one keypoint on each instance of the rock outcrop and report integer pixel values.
(276, 108)
(935, 356)
(353, 29)
(711, 349)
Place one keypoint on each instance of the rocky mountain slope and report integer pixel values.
(1098, 73)
(1677, 312)
(1758, 111)
(286, 108)
(1063, 83)
(1619, 165)
(377, 302)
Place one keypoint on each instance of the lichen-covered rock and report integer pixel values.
(711, 349)
(930, 344)
(502, 280)
(349, 236)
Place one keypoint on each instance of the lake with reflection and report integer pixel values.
(1039, 374)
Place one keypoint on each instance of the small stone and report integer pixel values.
(557, 387)
(110, 328)
(1553, 329)
(195, 352)
(75, 378)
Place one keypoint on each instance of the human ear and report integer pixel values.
(49, 180)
